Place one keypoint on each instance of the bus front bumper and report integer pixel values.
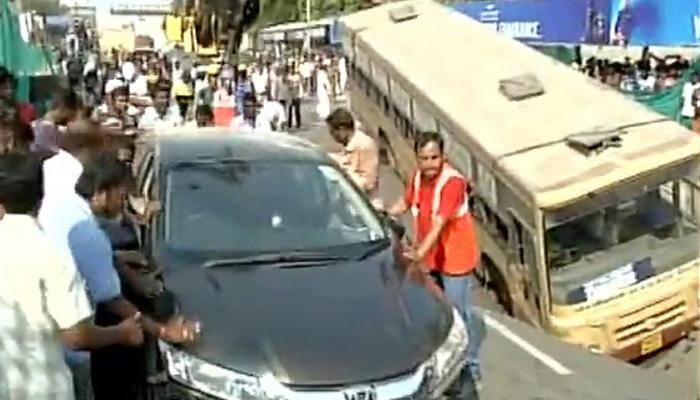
(655, 342)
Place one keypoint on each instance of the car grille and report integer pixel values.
(654, 317)
(412, 386)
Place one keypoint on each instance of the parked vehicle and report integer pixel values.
(300, 286)
(586, 202)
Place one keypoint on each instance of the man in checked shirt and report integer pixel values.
(43, 303)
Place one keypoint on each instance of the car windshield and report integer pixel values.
(593, 256)
(253, 207)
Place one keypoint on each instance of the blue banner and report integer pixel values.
(544, 21)
(655, 22)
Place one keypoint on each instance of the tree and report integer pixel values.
(49, 7)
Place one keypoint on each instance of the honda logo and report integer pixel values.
(367, 393)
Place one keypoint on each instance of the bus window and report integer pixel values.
(650, 233)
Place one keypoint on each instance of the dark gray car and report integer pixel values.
(298, 283)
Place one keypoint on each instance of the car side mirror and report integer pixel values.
(394, 225)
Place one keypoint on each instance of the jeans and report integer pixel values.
(458, 290)
(294, 113)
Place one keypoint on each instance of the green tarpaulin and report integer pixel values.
(668, 102)
(21, 58)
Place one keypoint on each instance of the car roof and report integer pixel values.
(219, 143)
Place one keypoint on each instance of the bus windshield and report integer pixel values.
(592, 256)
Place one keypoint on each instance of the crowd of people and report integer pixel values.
(649, 74)
(76, 311)
(156, 91)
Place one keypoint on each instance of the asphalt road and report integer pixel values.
(520, 362)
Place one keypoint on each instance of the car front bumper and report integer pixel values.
(176, 391)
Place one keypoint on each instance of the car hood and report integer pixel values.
(341, 323)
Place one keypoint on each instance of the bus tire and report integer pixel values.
(497, 285)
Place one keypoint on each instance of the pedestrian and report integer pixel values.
(102, 187)
(360, 157)
(696, 104)
(445, 239)
(272, 115)
(248, 121)
(323, 93)
(184, 93)
(225, 103)
(63, 111)
(163, 114)
(342, 74)
(687, 96)
(26, 111)
(296, 92)
(204, 117)
(43, 303)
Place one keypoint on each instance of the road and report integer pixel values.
(520, 362)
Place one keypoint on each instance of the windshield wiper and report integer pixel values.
(289, 259)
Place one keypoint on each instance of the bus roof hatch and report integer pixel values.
(594, 142)
(403, 13)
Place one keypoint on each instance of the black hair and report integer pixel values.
(341, 118)
(162, 86)
(424, 138)
(120, 91)
(68, 99)
(6, 76)
(21, 182)
(102, 172)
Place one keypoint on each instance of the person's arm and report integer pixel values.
(67, 303)
(177, 330)
(364, 167)
(453, 195)
(86, 336)
(430, 240)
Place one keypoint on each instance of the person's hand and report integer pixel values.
(415, 259)
(177, 330)
(411, 254)
(131, 330)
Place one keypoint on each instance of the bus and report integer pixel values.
(586, 202)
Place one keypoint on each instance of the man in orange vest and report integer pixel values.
(445, 240)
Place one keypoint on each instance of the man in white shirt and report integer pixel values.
(688, 109)
(259, 79)
(42, 298)
(306, 69)
(163, 114)
(249, 120)
(272, 116)
(138, 86)
(128, 70)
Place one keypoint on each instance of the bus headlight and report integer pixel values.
(216, 381)
(447, 362)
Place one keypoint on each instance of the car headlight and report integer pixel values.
(217, 381)
(447, 362)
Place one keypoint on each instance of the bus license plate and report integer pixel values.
(652, 343)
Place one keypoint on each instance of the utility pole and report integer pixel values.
(308, 11)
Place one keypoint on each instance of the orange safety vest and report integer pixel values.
(457, 250)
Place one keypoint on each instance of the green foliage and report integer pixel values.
(273, 12)
(43, 6)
